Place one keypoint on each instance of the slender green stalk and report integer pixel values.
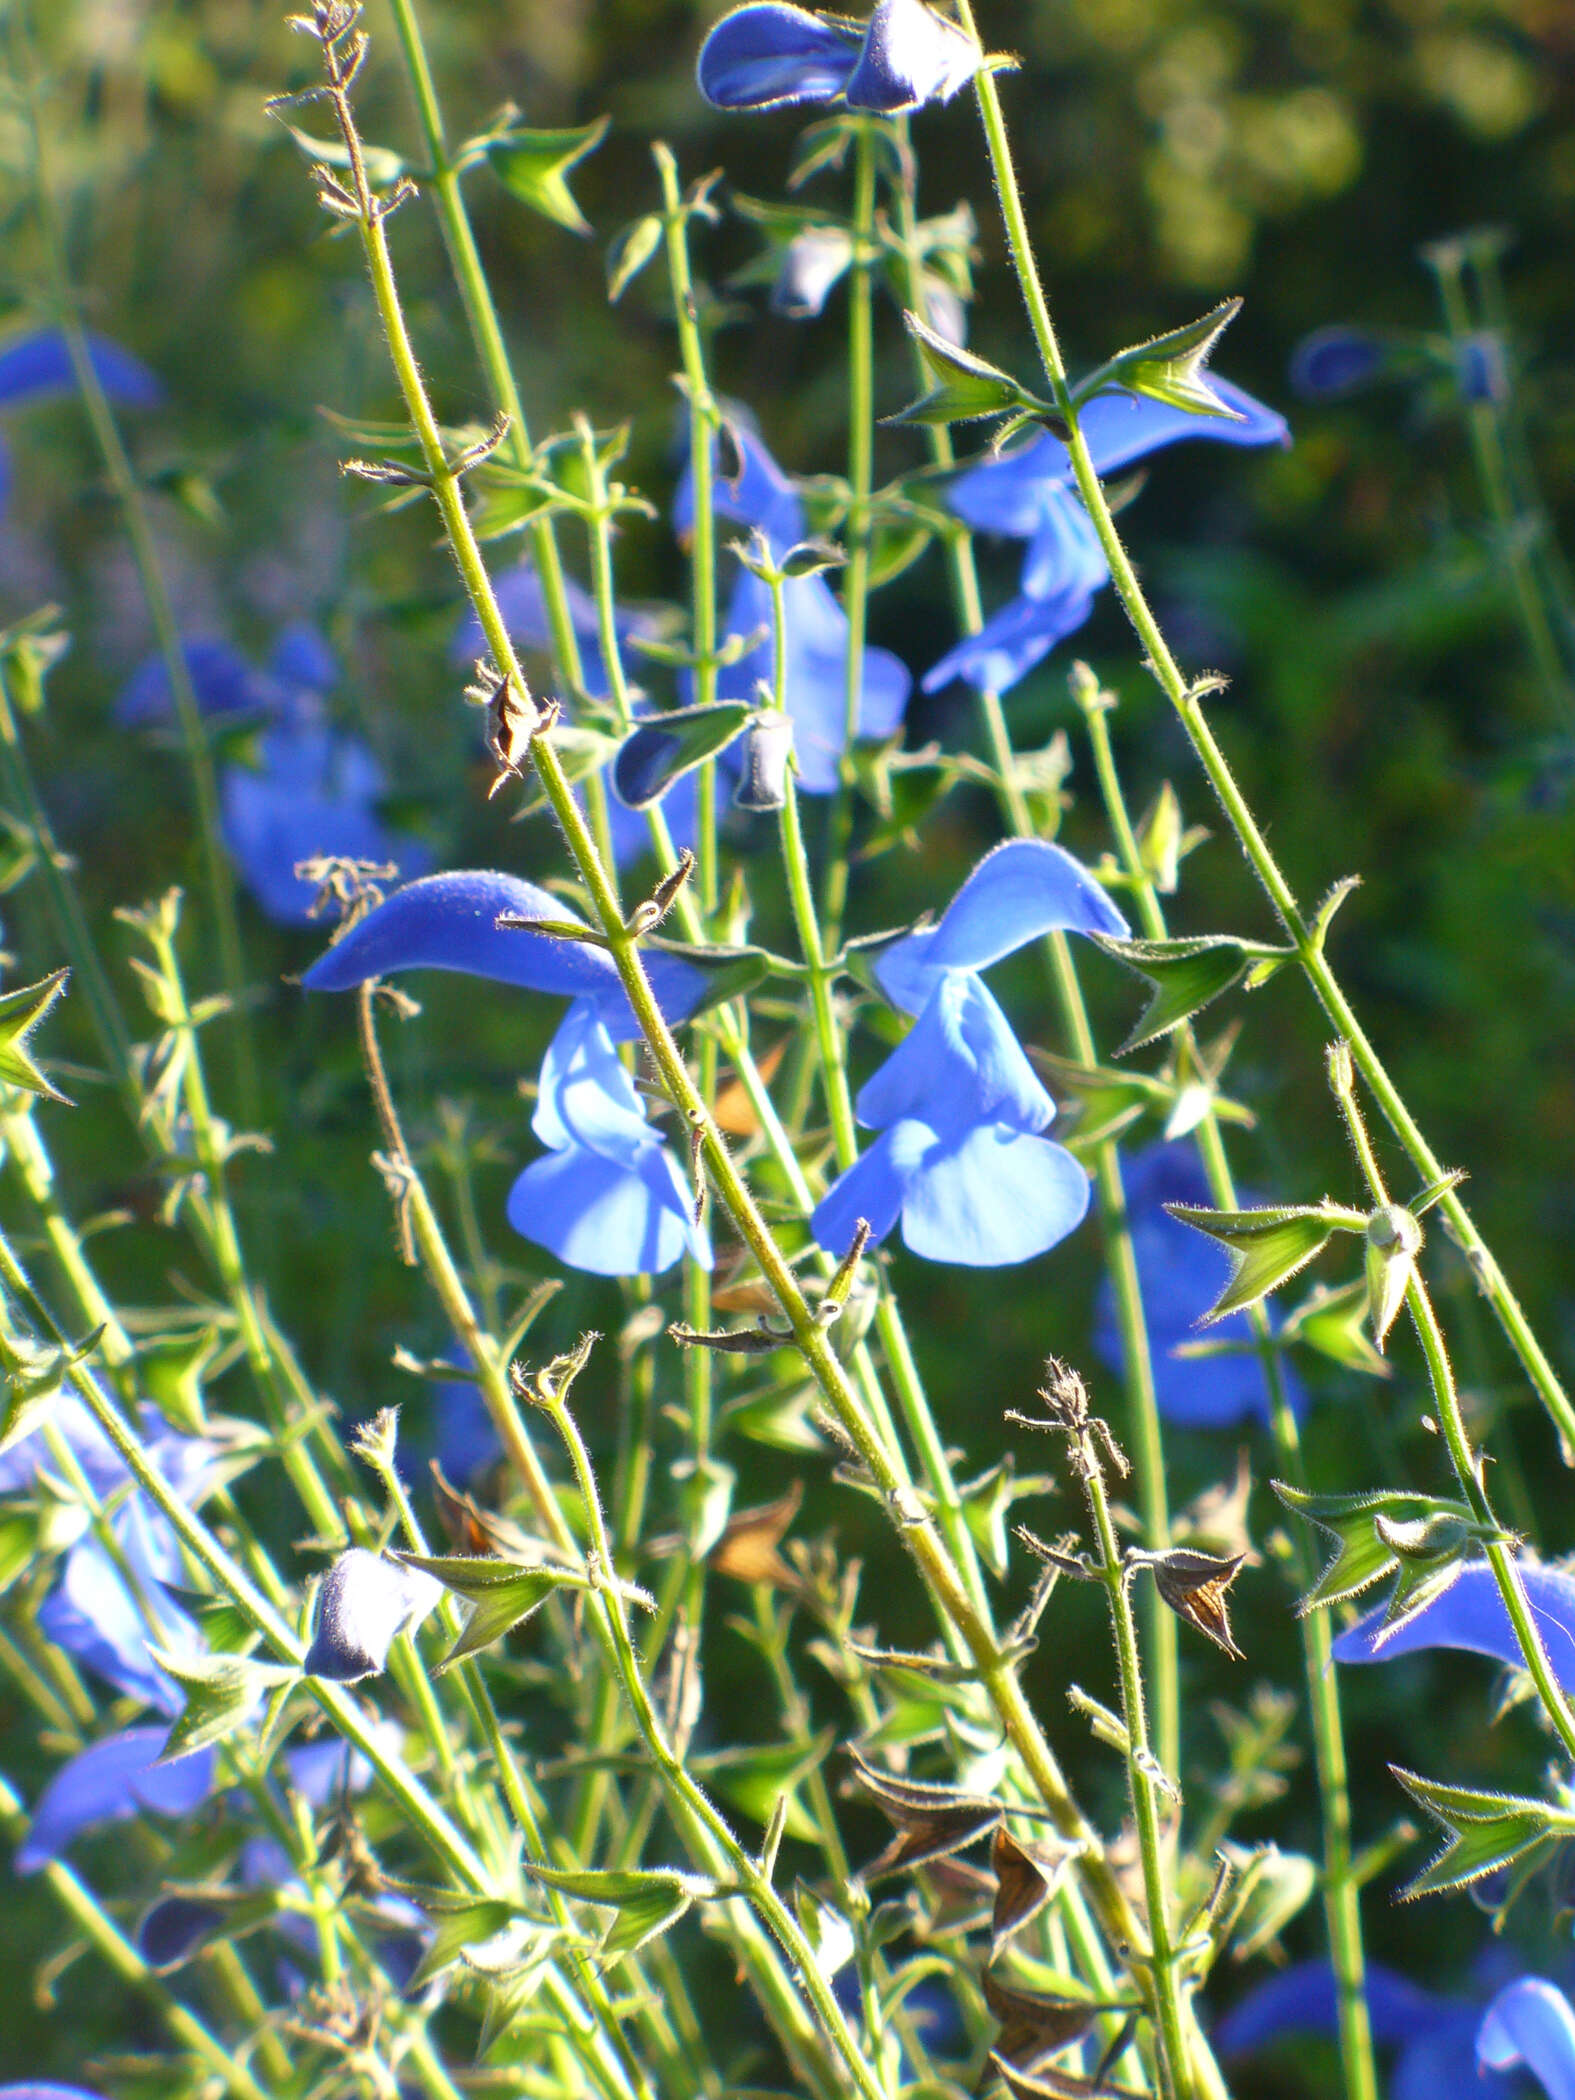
(861, 476)
(1186, 699)
(1341, 1891)
(486, 332)
(1469, 1465)
(996, 1671)
(145, 554)
(1147, 1436)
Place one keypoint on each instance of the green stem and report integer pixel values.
(861, 475)
(1341, 1892)
(486, 332)
(1186, 701)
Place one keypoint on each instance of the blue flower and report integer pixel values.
(1530, 2023)
(608, 1196)
(449, 922)
(769, 55)
(1470, 1616)
(1029, 494)
(1333, 362)
(313, 793)
(112, 1782)
(362, 1603)
(1432, 2034)
(962, 1159)
(1181, 1273)
(224, 682)
(37, 367)
(816, 627)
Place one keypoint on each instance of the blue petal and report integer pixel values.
(32, 2089)
(631, 830)
(1301, 2000)
(1180, 1274)
(313, 797)
(813, 262)
(605, 1218)
(958, 1066)
(873, 1188)
(1471, 1616)
(524, 607)
(1064, 559)
(760, 494)
(1481, 370)
(112, 1782)
(993, 1197)
(911, 56)
(362, 1603)
(94, 1616)
(1007, 495)
(1010, 642)
(301, 658)
(317, 1770)
(585, 1096)
(769, 54)
(449, 922)
(175, 1928)
(35, 367)
(224, 683)
(1531, 2023)
(465, 1442)
(1019, 891)
(1337, 361)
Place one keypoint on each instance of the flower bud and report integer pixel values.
(1394, 1239)
(363, 1603)
(768, 746)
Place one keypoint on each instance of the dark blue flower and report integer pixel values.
(37, 367)
(768, 55)
(1334, 362)
(449, 922)
(608, 1196)
(224, 682)
(362, 1603)
(112, 1782)
(1181, 1273)
(1530, 2023)
(314, 792)
(1433, 2035)
(1470, 1616)
(1029, 494)
(1482, 369)
(816, 627)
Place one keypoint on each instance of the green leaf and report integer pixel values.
(534, 166)
(964, 387)
(729, 972)
(665, 747)
(630, 249)
(18, 1545)
(1171, 367)
(20, 1013)
(1364, 1553)
(383, 166)
(458, 1922)
(1185, 974)
(501, 1594)
(1276, 1886)
(1334, 1323)
(753, 1779)
(222, 1691)
(647, 1902)
(1484, 1832)
(1267, 1247)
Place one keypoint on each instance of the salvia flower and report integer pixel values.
(224, 682)
(450, 922)
(1470, 1616)
(770, 55)
(608, 1196)
(1333, 362)
(962, 1160)
(113, 1781)
(1530, 2024)
(1030, 494)
(362, 1603)
(816, 627)
(1180, 1274)
(36, 367)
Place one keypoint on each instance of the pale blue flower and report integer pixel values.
(362, 1603)
(769, 55)
(1530, 2024)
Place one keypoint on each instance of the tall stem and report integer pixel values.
(1187, 702)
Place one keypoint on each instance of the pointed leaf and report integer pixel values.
(646, 1903)
(458, 1925)
(1333, 1323)
(501, 1595)
(1266, 1247)
(1026, 1878)
(1363, 1555)
(665, 747)
(1484, 1831)
(629, 251)
(534, 165)
(964, 387)
(221, 1693)
(1185, 975)
(1195, 1586)
(1170, 368)
(753, 1779)
(20, 1013)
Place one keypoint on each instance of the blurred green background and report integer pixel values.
(1382, 710)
